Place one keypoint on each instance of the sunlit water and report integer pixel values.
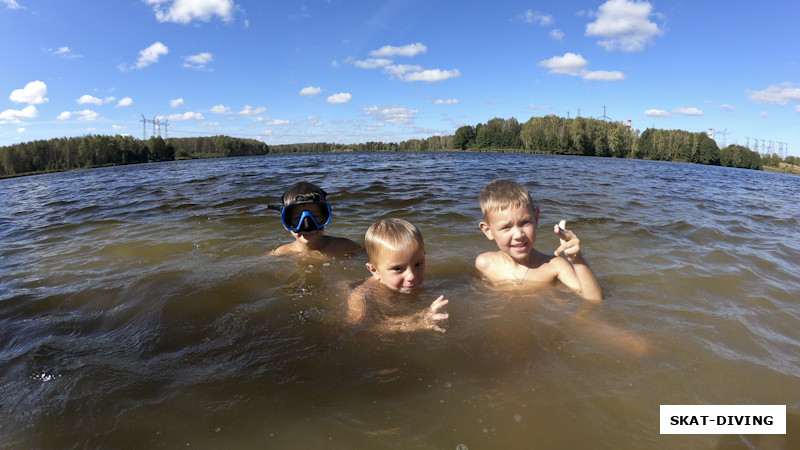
(137, 307)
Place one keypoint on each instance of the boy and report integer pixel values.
(510, 219)
(305, 213)
(396, 255)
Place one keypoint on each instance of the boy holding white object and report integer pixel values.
(510, 219)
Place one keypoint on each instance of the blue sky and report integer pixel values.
(357, 71)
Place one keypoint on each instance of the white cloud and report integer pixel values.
(556, 35)
(90, 100)
(86, 114)
(250, 111)
(21, 130)
(537, 107)
(310, 91)
(624, 25)
(569, 64)
(147, 56)
(176, 103)
(392, 114)
(431, 75)
(398, 70)
(348, 60)
(603, 75)
(220, 109)
(763, 114)
(531, 16)
(185, 11)
(657, 113)
(373, 63)
(797, 108)
(406, 50)
(127, 101)
(198, 61)
(450, 101)
(64, 115)
(575, 65)
(16, 115)
(339, 98)
(12, 4)
(272, 121)
(727, 107)
(118, 127)
(33, 93)
(778, 95)
(209, 124)
(66, 52)
(314, 121)
(687, 111)
(185, 116)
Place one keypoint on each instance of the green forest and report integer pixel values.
(548, 134)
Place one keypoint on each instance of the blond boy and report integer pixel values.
(396, 254)
(305, 213)
(510, 219)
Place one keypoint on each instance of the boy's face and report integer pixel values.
(320, 215)
(402, 271)
(514, 230)
(308, 238)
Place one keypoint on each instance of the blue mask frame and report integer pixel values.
(306, 222)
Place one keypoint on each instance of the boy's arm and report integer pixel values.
(588, 286)
(423, 320)
(357, 305)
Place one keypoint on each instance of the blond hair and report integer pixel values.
(504, 194)
(391, 234)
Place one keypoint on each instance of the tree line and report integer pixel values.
(593, 137)
(97, 151)
(547, 134)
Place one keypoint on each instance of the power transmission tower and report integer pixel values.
(724, 135)
(144, 128)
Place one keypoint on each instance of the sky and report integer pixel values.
(356, 71)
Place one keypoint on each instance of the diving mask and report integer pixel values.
(306, 216)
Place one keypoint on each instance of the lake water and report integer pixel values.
(138, 309)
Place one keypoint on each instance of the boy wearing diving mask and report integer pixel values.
(305, 213)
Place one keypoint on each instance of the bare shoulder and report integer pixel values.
(558, 263)
(487, 262)
(284, 250)
(341, 244)
(560, 269)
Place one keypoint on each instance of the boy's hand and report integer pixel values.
(570, 244)
(432, 314)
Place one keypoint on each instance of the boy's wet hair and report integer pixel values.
(303, 191)
(391, 234)
(504, 194)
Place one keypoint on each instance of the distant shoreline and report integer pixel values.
(784, 168)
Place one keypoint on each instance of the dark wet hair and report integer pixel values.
(303, 191)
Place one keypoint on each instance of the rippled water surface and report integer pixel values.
(138, 309)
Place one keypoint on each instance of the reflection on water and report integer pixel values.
(138, 309)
